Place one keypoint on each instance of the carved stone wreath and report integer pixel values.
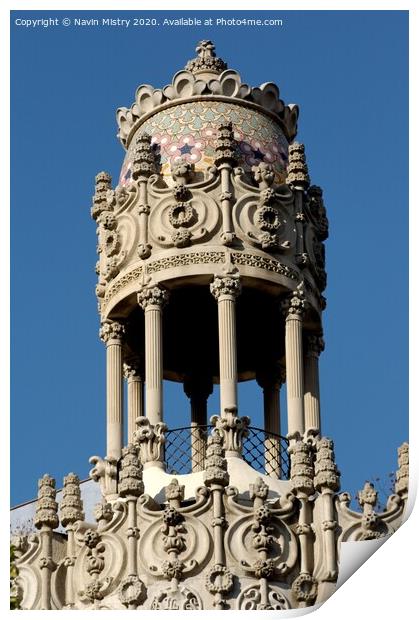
(305, 588)
(111, 243)
(219, 580)
(181, 214)
(132, 591)
(267, 218)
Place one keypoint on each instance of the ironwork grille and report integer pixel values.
(266, 452)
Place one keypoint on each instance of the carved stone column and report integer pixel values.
(152, 300)
(111, 333)
(46, 520)
(225, 290)
(271, 384)
(294, 308)
(71, 509)
(314, 346)
(135, 395)
(198, 391)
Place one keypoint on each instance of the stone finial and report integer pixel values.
(296, 303)
(152, 296)
(130, 473)
(264, 175)
(228, 285)
(297, 171)
(302, 471)
(144, 161)
(232, 428)
(71, 507)
(111, 330)
(314, 344)
(367, 498)
(206, 59)
(259, 489)
(103, 186)
(46, 506)
(103, 513)
(174, 491)
(327, 475)
(402, 474)
(215, 471)
(150, 439)
(225, 146)
(182, 171)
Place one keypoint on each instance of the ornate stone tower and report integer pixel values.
(211, 271)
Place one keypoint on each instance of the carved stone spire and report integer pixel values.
(402, 474)
(327, 475)
(206, 59)
(297, 171)
(130, 475)
(302, 472)
(144, 163)
(71, 507)
(226, 146)
(103, 185)
(215, 471)
(46, 506)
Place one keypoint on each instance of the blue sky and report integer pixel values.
(348, 72)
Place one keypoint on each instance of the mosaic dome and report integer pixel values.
(182, 118)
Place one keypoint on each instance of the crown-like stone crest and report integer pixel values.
(130, 475)
(206, 59)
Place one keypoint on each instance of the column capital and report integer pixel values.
(198, 386)
(314, 344)
(225, 285)
(111, 330)
(271, 377)
(152, 296)
(131, 369)
(295, 305)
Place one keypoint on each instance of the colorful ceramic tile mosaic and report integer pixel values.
(189, 130)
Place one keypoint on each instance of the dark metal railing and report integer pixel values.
(266, 452)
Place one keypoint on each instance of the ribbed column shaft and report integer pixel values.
(154, 363)
(295, 375)
(311, 391)
(114, 398)
(227, 351)
(135, 398)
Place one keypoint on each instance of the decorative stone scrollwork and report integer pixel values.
(181, 599)
(206, 59)
(304, 588)
(111, 330)
(46, 506)
(130, 475)
(104, 471)
(132, 591)
(327, 475)
(150, 439)
(251, 599)
(297, 171)
(229, 285)
(152, 296)
(71, 506)
(232, 429)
